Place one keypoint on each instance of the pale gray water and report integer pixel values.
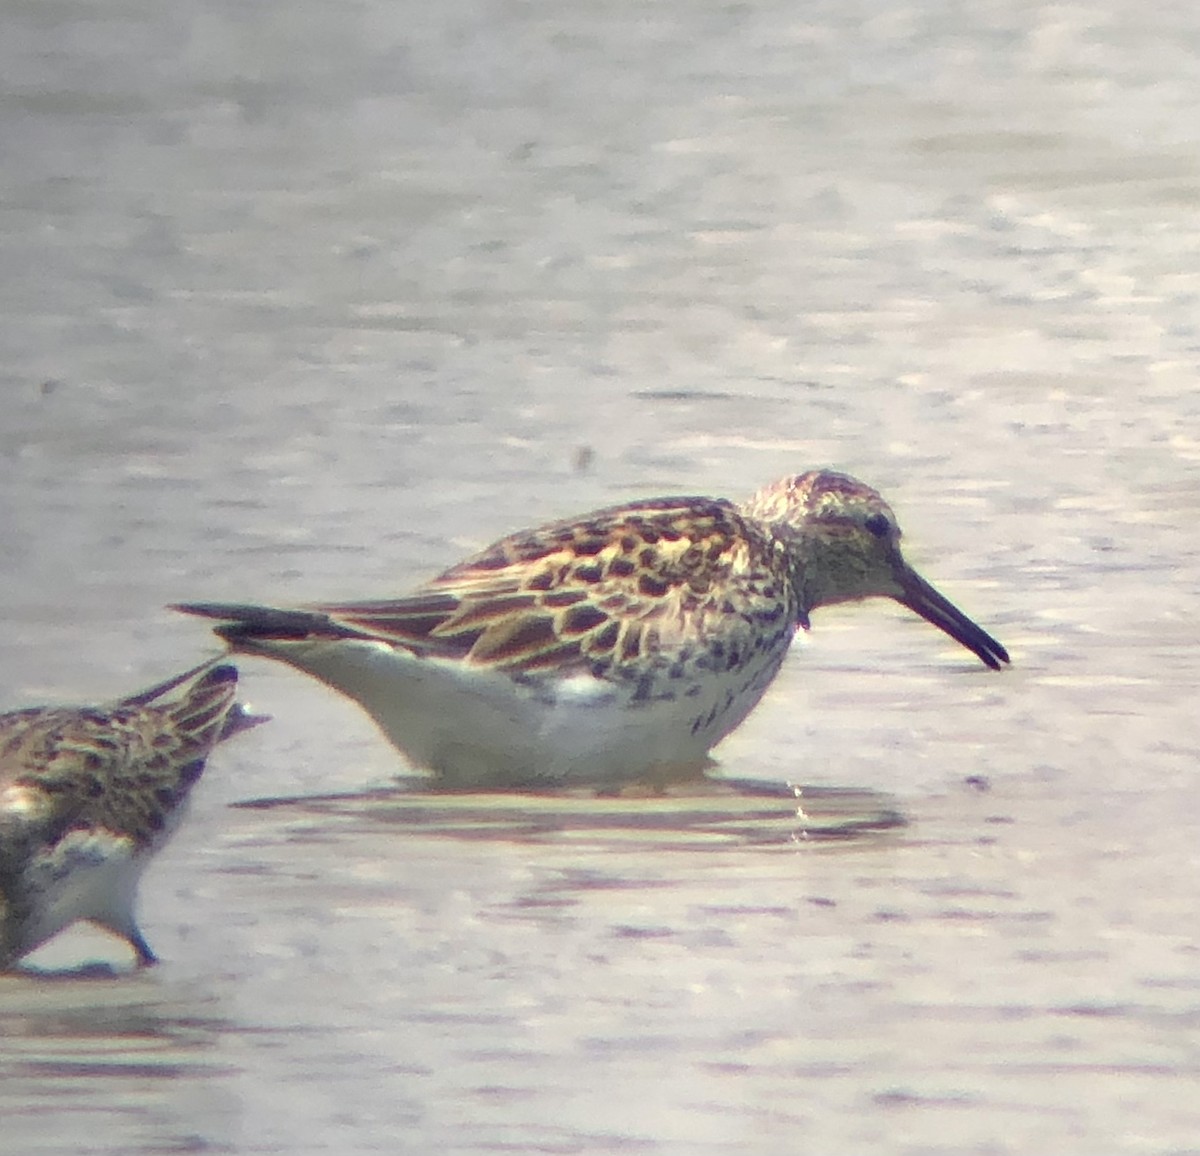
(305, 300)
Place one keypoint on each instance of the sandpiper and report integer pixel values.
(619, 646)
(89, 794)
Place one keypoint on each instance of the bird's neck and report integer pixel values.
(817, 570)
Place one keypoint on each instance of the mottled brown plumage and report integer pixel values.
(625, 592)
(88, 794)
(623, 643)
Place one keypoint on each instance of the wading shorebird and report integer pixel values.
(89, 794)
(620, 646)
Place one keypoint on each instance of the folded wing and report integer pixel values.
(647, 580)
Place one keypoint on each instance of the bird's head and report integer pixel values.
(843, 544)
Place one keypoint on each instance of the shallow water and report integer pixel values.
(307, 301)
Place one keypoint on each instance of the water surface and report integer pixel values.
(305, 301)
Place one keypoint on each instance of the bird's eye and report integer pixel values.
(878, 525)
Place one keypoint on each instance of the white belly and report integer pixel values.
(86, 875)
(475, 727)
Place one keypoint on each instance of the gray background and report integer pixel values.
(304, 301)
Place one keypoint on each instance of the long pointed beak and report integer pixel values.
(919, 596)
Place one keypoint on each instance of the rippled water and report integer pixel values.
(305, 301)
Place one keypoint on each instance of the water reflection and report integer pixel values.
(710, 813)
(103, 1059)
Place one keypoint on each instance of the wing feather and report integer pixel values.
(126, 766)
(646, 579)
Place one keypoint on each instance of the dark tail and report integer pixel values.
(207, 707)
(161, 689)
(240, 622)
(201, 713)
